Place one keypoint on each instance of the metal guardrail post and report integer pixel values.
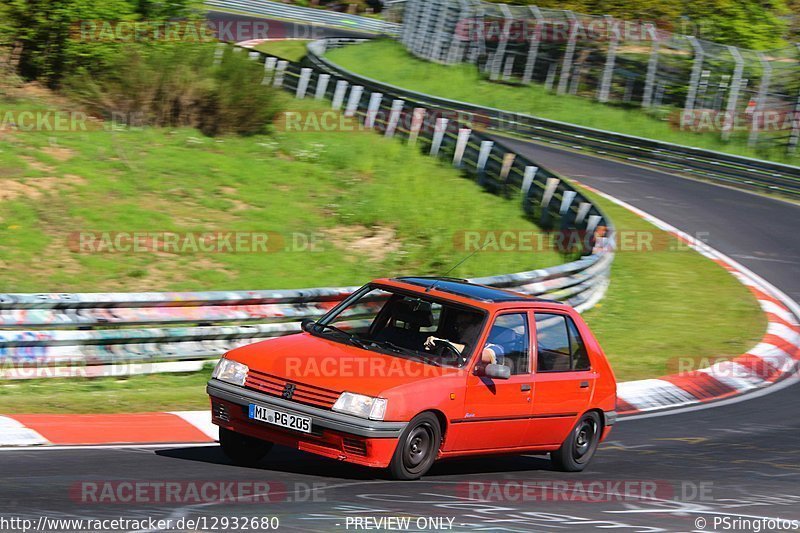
(500, 51)
(338, 95)
(761, 99)
(372, 109)
(280, 73)
(583, 210)
(527, 181)
(302, 83)
(566, 202)
(269, 70)
(394, 117)
(461, 145)
(438, 134)
(352, 102)
(417, 119)
(697, 68)
(479, 50)
(591, 225)
(438, 41)
(650, 78)
(483, 155)
(733, 95)
(533, 46)
(322, 86)
(608, 70)
(566, 66)
(549, 191)
(794, 138)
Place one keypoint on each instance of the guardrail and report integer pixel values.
(753, 174)
(307, 15)
(108, 328)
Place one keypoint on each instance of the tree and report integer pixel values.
(50, 39)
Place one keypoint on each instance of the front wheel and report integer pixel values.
(241, 449)
(417, 448)
(579, 446)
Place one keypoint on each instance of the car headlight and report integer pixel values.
(230, 372)
(360, 405)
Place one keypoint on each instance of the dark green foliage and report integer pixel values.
(45, 38)
(179, 85)
(758, 24)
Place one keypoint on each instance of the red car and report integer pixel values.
(409, 370)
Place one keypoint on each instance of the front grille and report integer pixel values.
(220, 412)
(354, 446)
(302, 393)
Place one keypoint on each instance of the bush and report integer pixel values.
(180, 85)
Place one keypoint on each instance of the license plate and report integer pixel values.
(279, 418)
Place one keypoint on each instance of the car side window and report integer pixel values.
(510, 341)
(580, 357)
(560, 347)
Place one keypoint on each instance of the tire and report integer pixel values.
(417, 448)
(579, 446)
(241, 449)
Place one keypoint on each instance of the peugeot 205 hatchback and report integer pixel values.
(410, 370)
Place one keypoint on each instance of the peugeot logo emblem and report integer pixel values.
(288, 391)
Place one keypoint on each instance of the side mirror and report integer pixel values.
(497, 371)
(307, 323)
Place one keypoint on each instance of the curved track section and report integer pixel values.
(729, 461)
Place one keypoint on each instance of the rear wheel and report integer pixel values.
(241, 449)
(417, 448)
(579, 446)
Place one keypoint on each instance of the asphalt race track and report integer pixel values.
(735, 460)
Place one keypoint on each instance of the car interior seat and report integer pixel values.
(408, 317)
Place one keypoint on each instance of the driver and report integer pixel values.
(464, 330)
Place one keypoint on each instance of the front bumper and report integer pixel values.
(334, 435)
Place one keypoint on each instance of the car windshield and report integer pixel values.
(412, 326)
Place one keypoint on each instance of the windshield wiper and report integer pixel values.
(392, 346)
(406, 352)
(352, 337)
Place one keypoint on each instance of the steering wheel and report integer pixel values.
(447, 351)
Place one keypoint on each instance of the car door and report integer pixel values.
(497, 411)
(563, 378)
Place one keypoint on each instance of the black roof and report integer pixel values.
(462, 287)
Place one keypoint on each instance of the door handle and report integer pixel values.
(584, 384)
(525, 387)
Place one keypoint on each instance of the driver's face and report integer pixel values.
(462, 322)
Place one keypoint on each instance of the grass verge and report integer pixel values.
(291, 50)
(669, 303)
(388, 61)
(337, 208)
(149, 393)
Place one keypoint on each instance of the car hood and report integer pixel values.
(305, 358)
